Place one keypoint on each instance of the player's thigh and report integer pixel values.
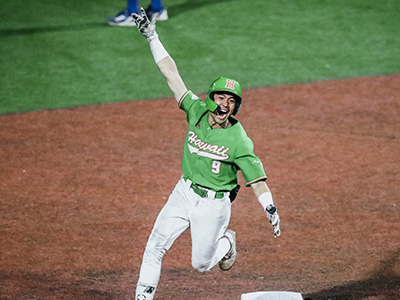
(208, 224)
(172, 219)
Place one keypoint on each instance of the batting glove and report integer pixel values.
(273, 217)
(146, 27)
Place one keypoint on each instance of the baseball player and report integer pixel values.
(215, 148)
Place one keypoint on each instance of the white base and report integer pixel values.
(272, 296)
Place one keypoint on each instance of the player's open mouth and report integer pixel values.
(221, 113)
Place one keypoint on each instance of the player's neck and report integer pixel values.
(215, 125)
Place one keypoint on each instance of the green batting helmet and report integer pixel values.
(226, 85)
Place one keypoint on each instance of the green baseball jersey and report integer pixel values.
(212, 157)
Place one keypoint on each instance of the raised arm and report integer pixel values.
(163, 60)
(169, 70)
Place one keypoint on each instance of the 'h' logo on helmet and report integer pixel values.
(230, 84)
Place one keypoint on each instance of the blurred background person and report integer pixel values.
(156, 10)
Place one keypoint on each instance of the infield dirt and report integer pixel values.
(80, 189)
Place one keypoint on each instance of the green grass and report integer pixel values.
(57, 54)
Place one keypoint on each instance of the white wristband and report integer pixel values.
(265, 199)
(158, 50)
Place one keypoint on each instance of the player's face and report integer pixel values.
(226, 106)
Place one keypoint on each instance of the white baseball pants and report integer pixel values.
(208, 219)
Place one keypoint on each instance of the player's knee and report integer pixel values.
(155, 248)
(201, 266)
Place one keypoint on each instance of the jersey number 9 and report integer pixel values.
(216, 167)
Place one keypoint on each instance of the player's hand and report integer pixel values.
(273, 217)
(146, 27)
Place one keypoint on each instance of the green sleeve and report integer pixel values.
(192, 105)
(250, 165)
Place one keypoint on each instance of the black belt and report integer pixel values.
(203, 192)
